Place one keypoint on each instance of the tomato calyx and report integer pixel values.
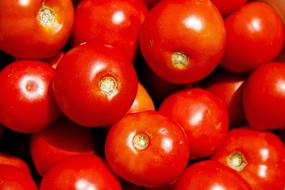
(47, 17)
(141, 141)
(236, 161)
(179, 60)
(108, 85)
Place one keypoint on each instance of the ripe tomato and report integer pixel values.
(58, 141)
(227, 7)
(202, 115)
(278, 5)
(6, 159)
(183, 40)
(147, 149)
(26, 98)
(95, 85)
(115, 22)
(228, 86)
(210, 175)
(142, 102)
(258, 156)
(255, 35)
(34, 29)
(264, 97)
(151, 3)
(80, 172)
(15, 179)
(55, 60)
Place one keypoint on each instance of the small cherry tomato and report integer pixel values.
(258, 156)
(183, 40)
(255, 35)
(58, 141)
(14, 178)
(227, 7)
(264, 97)
(115, 22)
(80, 172)
(202, 115)
(95, 85)
(210, 175)
(6, 159)
(147, 149)
(27, 101)
(34, 29)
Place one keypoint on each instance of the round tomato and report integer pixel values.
(6, 159)
(55, 60)
(80, 172)
(15, 179)
(95, 85)
(202, 115)
(227, 7)
(27, 101)
(58, 141)
(258, 156)
(255, 35)
(34, 29)
(210, 175)
(115, 22)
(264, 97)
(147, 149)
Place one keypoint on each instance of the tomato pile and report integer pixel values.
(133, 94)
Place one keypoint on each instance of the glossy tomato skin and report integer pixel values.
(228, 7)
(61, 139)
(15, 178)
(183, 41)
(34, 29)
(210, 175)
(229, 87)
(27, 101)
(258, 156)
(80, 172)
(6, 159)
(147, 149)
(115, 22)
(255, 35)
(95, 85)
(264, 97)
(202, 115)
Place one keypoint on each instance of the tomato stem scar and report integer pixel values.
(179, 60)
(108, 86)
(141, 141)
(46, 16)
(236, 161)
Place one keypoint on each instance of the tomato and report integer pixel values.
(80, 172)
(227, 7)
(58, 141)
(255, 35)
(258, 156)
(115, 22)
(95, 85)
(55, 60)
(210, 175)
(151, 3)
(15, 179)
(147, 149)
(278, 5)
(183, 40)
(34, 29)
(202, 115)
(228, 86)
(6, 159)
(27, 101)
(142, 102)
(264, 97)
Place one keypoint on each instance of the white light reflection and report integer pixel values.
(193, 22)
(99, 66)
(118, 17)
(32, 87)
(217, 187)
(255, 25)
(264, 154)
(83, 184)
(262, 171)
(24, 2)
(197, 117)
(167, 144)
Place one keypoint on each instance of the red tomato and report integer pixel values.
(183, 40)
(55, 60)
(26, 98)
(34, 29)
(264, 97)
(95, 85)
(142, 102)
(6, 159)
(210, 175)
(60, 140)
(228, 86)
(147, 149)
(255, 35)
(86, 172)
(115, 22)
(258, 156)
(227, 7)
(151, 3)
(202, 115)
(13, 178)
(278, 5)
